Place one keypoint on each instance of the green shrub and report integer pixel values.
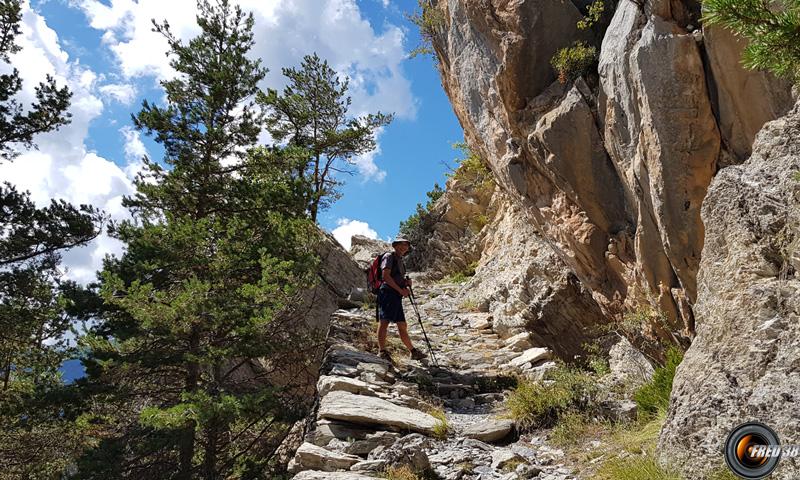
(593, 15)
(565, 389)
(573, 62)
(430, 21)
(471, 169)
(654, 395)
(569, 429)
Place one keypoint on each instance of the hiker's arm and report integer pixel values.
(387, 278)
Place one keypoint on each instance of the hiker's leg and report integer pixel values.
(383, 327)
(403, 328)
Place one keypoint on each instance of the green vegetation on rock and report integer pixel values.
(653, 396)
(542, 404)
(574, 62)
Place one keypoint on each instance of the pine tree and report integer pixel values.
(216, 251)
(49, 112)
(37, 438)
(772, 29)
(312, 113)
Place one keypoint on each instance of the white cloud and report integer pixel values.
(347, 228)
(135, 151)
(124, 93)
(62, 167)
(285, 31)
(365, 164)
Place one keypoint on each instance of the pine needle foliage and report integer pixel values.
(312, 114)
(771, 27)
(37, 436)
(184, 370)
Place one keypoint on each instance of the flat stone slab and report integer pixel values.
(318, 475)
(332, 383)
(374, 411)
(312, 457)
(532, 356)
(519, 342)
(489, 430)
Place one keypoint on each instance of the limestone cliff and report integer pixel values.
(611, 172)
(744, 365)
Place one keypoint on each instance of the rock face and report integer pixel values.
(363, 249)
(524, 285)
(450, 235)
(743, 364)
(611, 173)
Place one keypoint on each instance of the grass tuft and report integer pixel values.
(405, 472)
(654, 395)
(442, 428)
(565, 389)
(636, 468)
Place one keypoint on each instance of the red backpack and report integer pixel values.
(375, 273)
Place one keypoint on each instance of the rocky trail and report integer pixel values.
(447, 420)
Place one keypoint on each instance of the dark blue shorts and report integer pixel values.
(390, 305)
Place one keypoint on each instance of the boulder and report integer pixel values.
(371, 442)
(407, 451)
(519, 342)
(489, 430)
(363, 250)
(359, 409)
(531, 356)
(312, 457)
(630, 369)
(327, 430)
(743, 364)
(503, 456)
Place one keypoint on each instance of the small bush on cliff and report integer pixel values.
(471, 169)
(771, 28)
(431, 22)
(574, 62)
(654, 395)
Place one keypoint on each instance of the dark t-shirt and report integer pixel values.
(398, 270)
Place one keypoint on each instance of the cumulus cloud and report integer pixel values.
(62, 167)
(347, 228)
(124, 93)
(285, 31)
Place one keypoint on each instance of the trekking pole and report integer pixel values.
(419, 317)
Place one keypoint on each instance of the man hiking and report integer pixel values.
(390, 299)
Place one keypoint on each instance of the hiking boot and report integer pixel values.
(417, 354)
(385, 355)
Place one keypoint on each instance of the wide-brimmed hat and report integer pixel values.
(401, 240)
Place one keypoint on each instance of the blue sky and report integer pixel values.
(104, 50)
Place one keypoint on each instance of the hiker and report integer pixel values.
(390, 299)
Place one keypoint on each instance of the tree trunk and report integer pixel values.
(187, 436)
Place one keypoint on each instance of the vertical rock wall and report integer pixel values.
(612, 172)
(744, 363)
